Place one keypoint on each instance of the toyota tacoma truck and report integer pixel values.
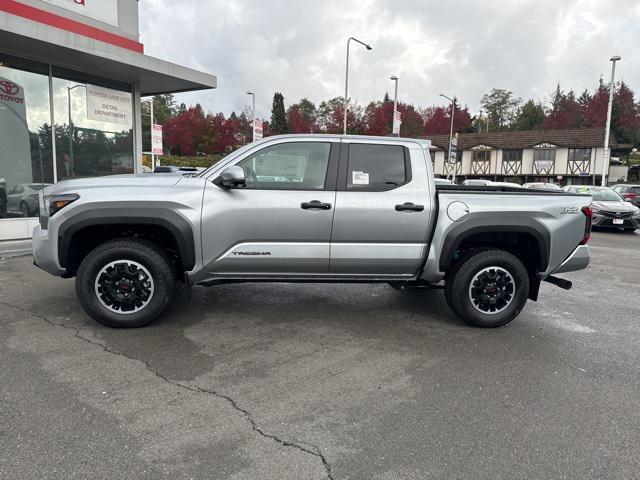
(309, 208)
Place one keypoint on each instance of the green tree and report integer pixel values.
(278, 115)
(501, 107)
(164, 108)
(530, 117)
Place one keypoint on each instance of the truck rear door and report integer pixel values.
(383, 209)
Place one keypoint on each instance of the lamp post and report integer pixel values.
(395, 101)
(346, 80)
(253, 115)
(453, 106)
(607, 149)
(71, 122)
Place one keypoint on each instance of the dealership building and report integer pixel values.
(72, 74)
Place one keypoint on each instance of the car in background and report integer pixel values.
(22, 199)
(186, 171)
(609, 209)
(504, 184)
(542, 186)
(630, 193)
(476, 182)
(443, 181)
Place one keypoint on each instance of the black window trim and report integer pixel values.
(343, 173)
(329, 180)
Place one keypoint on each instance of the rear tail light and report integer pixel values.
(629, 196)
(587, 227)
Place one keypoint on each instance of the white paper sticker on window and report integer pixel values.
(360, 178)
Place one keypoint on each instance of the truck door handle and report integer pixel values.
(315, 204)
(409, 206)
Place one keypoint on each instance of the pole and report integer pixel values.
(70, 126)
(253, 117)
(395, 103)
(346, 81)
(453, 103)
(346, 90)
(153, 156)
(607, 150)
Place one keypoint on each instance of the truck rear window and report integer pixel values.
(376, 167)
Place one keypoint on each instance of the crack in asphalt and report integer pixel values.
(297, 444)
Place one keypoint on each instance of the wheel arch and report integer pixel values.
(84, 231)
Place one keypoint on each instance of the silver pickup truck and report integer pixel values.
(309, 208)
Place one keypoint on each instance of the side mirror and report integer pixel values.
(231, 177)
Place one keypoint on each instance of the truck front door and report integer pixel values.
(383, 209)
(280, 222)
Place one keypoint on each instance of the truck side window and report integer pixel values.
(376, 167)
(288, 166)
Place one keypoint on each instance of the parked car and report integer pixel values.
(542, 186)
(609, 209)
(22, 199)
(630, 193)
(354, 208)
(476, 182)
(504, 184)
(443, 181)
(177, 170)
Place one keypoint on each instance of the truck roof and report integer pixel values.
(424, 143)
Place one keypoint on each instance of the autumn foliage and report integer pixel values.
(191, 131)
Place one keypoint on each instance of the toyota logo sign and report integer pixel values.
(8, 87)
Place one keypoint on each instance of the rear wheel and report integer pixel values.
(487, 288)
(125, 283)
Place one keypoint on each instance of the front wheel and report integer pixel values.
(125, 283)
(488, 288)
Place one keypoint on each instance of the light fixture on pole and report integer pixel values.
(346, 81)
(395, 104)
(607, 150)
(453, 107)
(253, 116)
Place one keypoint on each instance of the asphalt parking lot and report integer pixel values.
(285, 381)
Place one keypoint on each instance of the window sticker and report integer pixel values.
(360, 178)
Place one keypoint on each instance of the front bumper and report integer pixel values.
(45, 251)
(578, 260)
(607, 221)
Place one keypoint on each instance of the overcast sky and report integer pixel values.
(459, 47)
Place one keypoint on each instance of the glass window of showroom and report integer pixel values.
(58, 124)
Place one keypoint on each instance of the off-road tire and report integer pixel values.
(152, 258)
(463, 272)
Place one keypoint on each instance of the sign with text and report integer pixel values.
(257, 129)
(15, 160)
(156, 139)
(453, 157)
(107, 105)
(397, 122)
(102, 10)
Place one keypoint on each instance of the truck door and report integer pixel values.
(280, 222)
(383, 209)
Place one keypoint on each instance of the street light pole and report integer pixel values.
(453, 106)
(253, 115)
(346, 81)
(395, 101)
(71, 124)
(607, 149)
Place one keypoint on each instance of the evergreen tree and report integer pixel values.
(278, 115)
(530, 117)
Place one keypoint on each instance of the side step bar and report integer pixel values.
(559, 282)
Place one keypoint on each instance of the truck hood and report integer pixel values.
(125, 181)
(614, 206)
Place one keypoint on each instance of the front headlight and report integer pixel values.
(55, 203)
(51, 204)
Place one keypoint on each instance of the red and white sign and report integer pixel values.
(397, 121)
(102, 10)
(257, 129)
(15, 159)
(156, 140)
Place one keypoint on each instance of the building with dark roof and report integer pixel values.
(563, 156)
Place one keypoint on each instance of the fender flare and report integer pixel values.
(178, 226)
(457, 235)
